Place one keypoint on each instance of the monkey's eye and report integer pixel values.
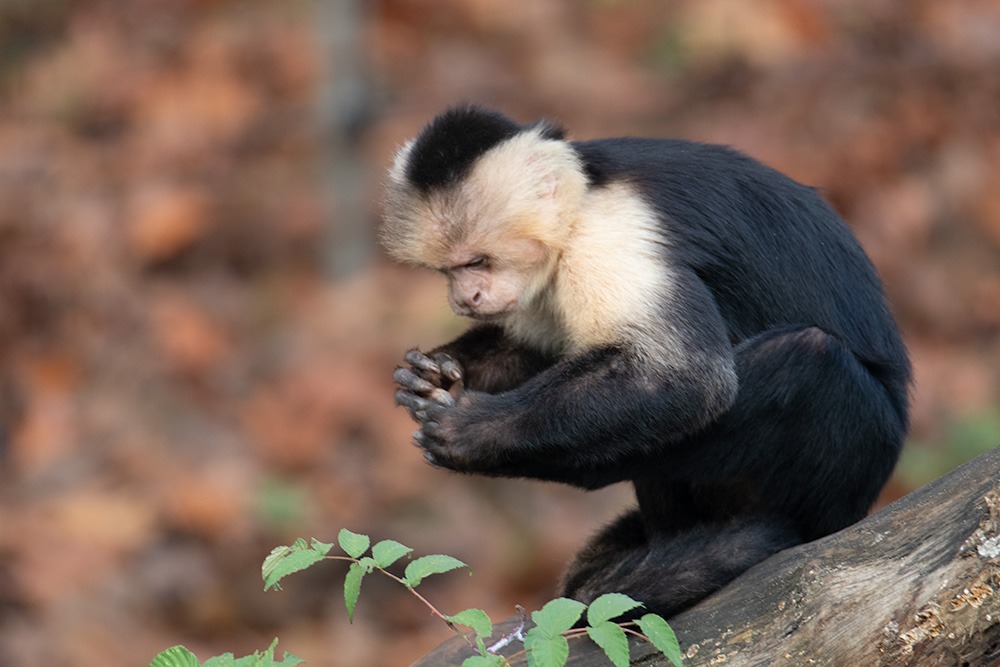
(480, 261)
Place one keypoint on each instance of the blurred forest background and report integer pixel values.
(197, 332)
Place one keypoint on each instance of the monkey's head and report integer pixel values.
(488, 203)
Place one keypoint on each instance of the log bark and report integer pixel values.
(917, 583)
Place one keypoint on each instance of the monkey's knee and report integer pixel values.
(591, 565)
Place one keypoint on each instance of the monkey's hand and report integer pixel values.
(429, 406)
(440, 369)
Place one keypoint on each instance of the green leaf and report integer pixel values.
(662, 637)
(322, 547)
(388, 552)
(224, 660)
(354, 544)
(558, 616)
(352, 588)
(484, 661)
(611, 638)
(477, 619)
(545, 650)
(175, 656)
(258, 659)
(283, 561)
(609, 606)
(368, 564)
(425, 566)
(289, 660)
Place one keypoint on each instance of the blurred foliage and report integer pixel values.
(281, 504)
(961, 440)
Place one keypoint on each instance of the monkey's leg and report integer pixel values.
(669, 572)
(812, 437)
(802, 452)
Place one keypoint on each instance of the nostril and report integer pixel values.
(476, 299)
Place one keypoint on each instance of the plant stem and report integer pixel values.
(420, 597)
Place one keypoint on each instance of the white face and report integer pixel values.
(526, 187)
(491, 285)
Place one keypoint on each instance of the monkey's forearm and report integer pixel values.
(587, 422)
(491, 362)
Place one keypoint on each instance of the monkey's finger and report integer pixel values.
(411, 401)
(442, 397)
(434, 412)
(424, 441)
(411, 381)
(432, 429)
(421, 361)
(450, 368)
(432, 453)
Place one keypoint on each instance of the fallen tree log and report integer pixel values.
(917, 583)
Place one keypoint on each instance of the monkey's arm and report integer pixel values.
(594, 418)
(587, 421)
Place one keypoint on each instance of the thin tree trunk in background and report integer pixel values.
(343, 103)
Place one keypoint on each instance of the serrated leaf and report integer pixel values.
(388, 552)
(488, 660)
(283, 561)
(425, 566)
(290, 660)
(484, 661)
(322, 547)
(258, 659)
(545, 650)
(477, 619)
(662, 636)
(354, 544)
(287, 659)
(224, 660)
(368, 564)
(609, 606)
(352, 588)
(558, 616)
(175, 656)
(611, 638)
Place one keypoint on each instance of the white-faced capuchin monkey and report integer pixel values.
(669, 313)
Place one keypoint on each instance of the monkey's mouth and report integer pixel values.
(489, 316)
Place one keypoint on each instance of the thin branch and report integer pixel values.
(420, 597)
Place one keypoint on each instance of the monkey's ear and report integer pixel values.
(549, 186)
(553, 166)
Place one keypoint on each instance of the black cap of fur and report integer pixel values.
(445, 151)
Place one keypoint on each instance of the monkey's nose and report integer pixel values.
(470, 303)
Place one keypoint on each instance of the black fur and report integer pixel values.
(771, 282)
(448, 147)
